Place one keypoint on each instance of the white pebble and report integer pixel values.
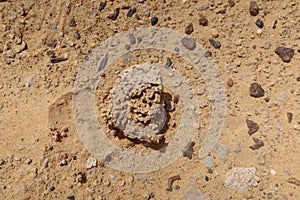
(259, 31)
(91, 162)
(272, 172)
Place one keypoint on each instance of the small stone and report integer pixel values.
(256, 90)
(252, 126)
(269, 195)
(257, 144)
(131, 12)
(91, 162)
(72, 23)
(274, 25)
(169, 62)
(77, 35)
(230, 82)
(53, 27)
(254, 10)
(188, 43)
(231, 3)
(28, 161)
(71, 197)
(189, 29)
(203, 21)
(30, 81)
(57, 60)
(290, 117)
(52, 188)
(261, 160)
(51, 54)
(51, 43)
(286, 54)
(214, 33)
(273, 172)
(188, 150)
(259, 23)
(115, 14)
(267, 45)
(215, 43)
(207, 54)
(102, 6)
(259, 31)
(154, 21)
(209, 162)
(203, 7)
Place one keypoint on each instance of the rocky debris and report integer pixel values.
(154, 21)
(51, 43)
(203, 21)
(131, 12)
(30, 81)
(194, 194)
(241, 178)
(102, 5)
(254, 9)
(259, 23)
(188, 150)
(257, 144)
(252, 126)
(215, 43)
(114, 15)
(171, 181)
(72, 23)
(58, 59)
(286, 54)
(169, 62)
(188, 43)
(91, 162)
(189, 29)
(231, 3)
(230, 82)
(289, 117)
(294, 181)
(256, 90)
(208, 54)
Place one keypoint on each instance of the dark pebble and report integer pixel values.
(102, 6)
(274, 25)
(51, 43)
(72, 23)
(71, 197)
(252, 126)
(51, 54)
(154, 21)
(256, 90)
(230, 82)
(286, 54)
(215, 43)
(52, 188)
(254, 10)
(57, 60)
(258, 144)
(290, 117)
(267, 99)
(206, 178)
(77, 35)
(189, 29)
(131, 12)
(208, 54)
(115, 14)
(259, 23)
(188, 43)
(298, 79)
(203, 21)
(231, 3)
(169, 62)
(188, 150)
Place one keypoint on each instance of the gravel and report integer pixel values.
(286, 54)
(256, 90)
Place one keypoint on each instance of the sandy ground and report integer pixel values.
(41, 155)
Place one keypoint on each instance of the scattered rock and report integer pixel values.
(221, 151)
(254, 10)
(241, 178)
(230, 82)
(171, 180)
(76, 35)
(53, 27)
(203, 21)
(115, 14)
(189, 29)
(154, 21)
(91, 162)
(102, 6)
(286, 54)
(258, 144)
(252, 126)
(231, 3)
(28, 161)
(256, 90)
(131, 12)
(273, 172)
(72, 23)
(290, 117)
(51, 43)
(188, 43)
(203, 7)
(259, 23)
(215, 43)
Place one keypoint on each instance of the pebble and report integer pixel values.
(154, 21)
(254, 10)
(169, 62)
(256, 90)
(286, 54)
(267, 45)
(72, 23)
(2, 162)
(131, 12)
(189, 29)
(231, 3)
(214, 33)
(290, 117)
(200, 90)
(102, 6)
(53, 27)
(203, 7)
(259, 31)
(209, 162)
(188, 150)
(57, 60)
(114, 15)
(51, 43)
(273, 172)
(215, 43)
(203, 21)
(257, 144)
(77, 35)
(230, 82)
(259, 23)
(274, 25)
(252, 126)
(28, 161)
(30, 81)
(188, 43)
